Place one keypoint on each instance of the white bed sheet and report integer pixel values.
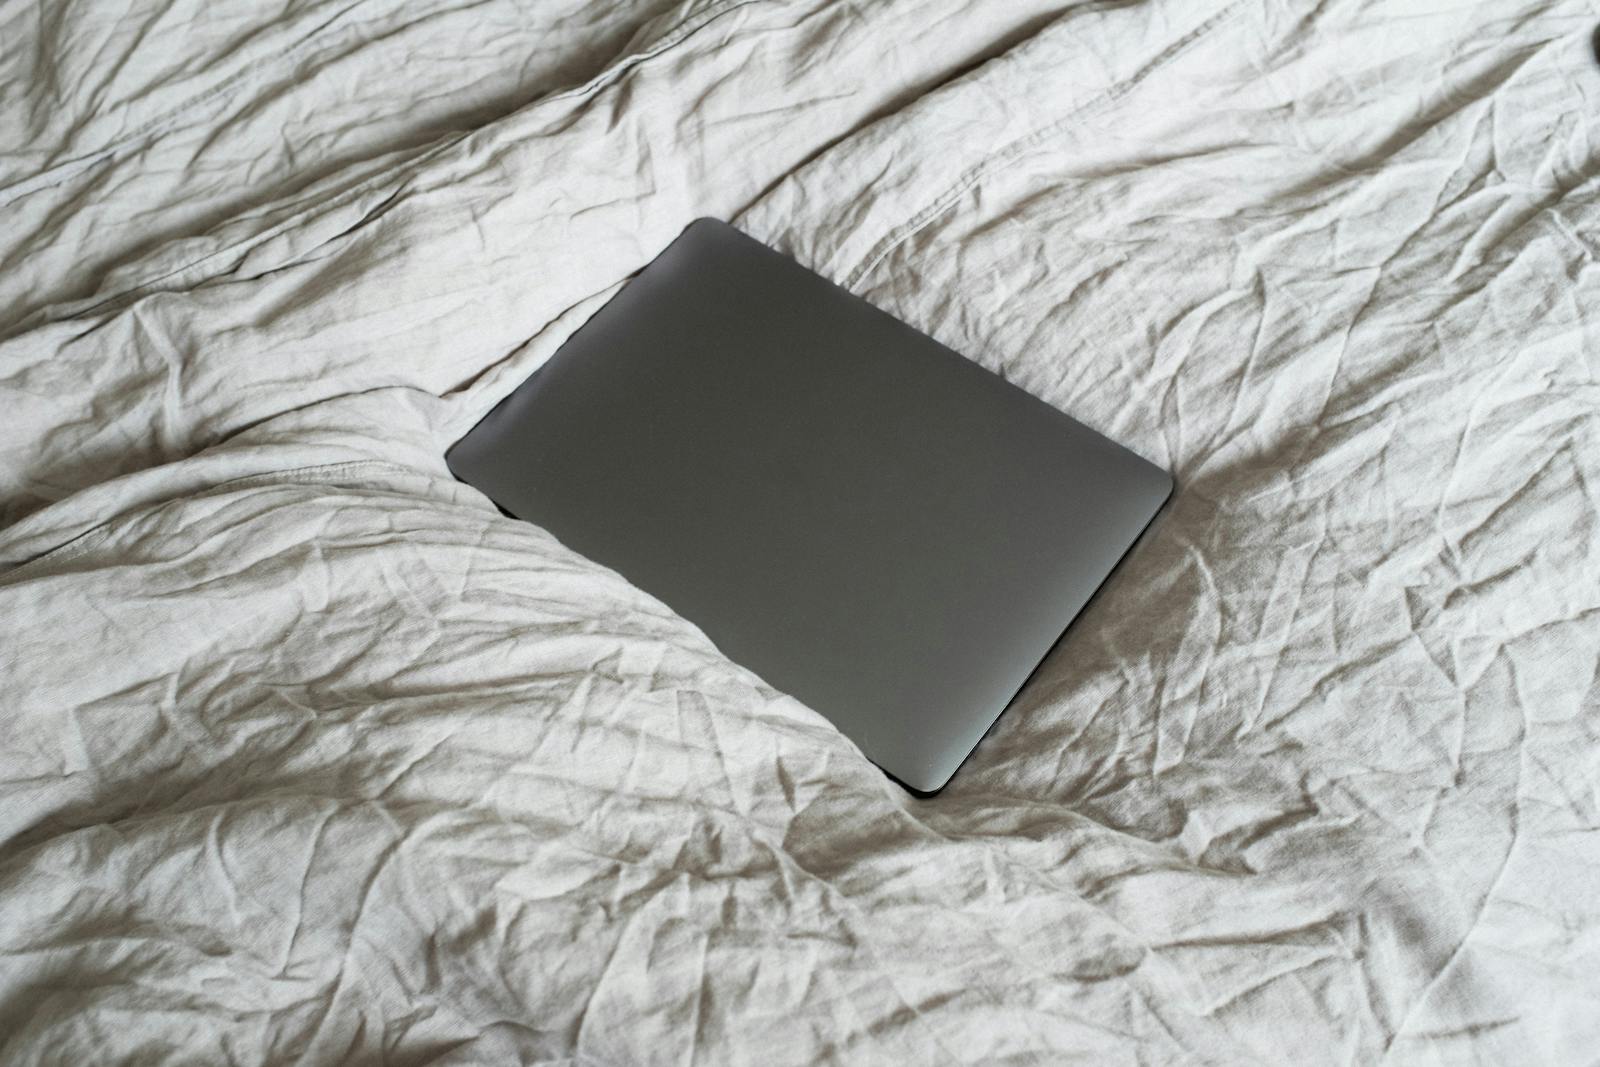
(311, 756)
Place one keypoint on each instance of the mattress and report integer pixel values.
(312, 756)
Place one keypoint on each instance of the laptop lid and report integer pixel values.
(866, 519)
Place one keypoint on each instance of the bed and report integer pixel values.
(312, 756)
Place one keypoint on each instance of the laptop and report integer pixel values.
(872, 523)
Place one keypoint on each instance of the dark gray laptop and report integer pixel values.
(869, 521)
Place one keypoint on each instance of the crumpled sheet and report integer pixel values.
(313, 757)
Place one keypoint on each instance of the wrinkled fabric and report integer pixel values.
(312, 756)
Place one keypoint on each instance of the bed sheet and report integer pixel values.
(313, 756)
